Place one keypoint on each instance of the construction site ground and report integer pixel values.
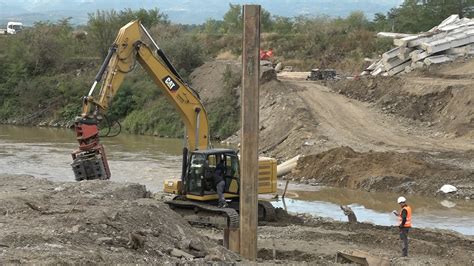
(94, 222)
(315, 241)
(408, 134)
(44, 222)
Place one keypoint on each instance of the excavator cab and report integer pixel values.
(197, 198)
(200, 177)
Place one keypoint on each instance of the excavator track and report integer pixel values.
(266, 211)
(205, 214)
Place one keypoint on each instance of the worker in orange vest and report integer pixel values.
(404, 223)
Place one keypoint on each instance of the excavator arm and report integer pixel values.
(128, 48)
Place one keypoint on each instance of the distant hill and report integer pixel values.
(181, 11)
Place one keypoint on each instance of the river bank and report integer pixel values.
(409, 173)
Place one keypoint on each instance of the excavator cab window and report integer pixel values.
(232, 174)
(201, 173)
(195, 173)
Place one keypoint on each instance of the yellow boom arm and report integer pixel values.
(128, 49)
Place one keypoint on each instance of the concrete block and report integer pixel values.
(398, 68)
(452, 41)
(372, 66)
(449, 20)
(418, 41)
(394, 62)
(459, 50)
(416, 65)
(455, 26)
(377, 71)
(437, 59)
(404, 41)
(405, 53)
(393, 35)
(391, 54)
(419, 55)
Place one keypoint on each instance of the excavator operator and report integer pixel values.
(220, 182)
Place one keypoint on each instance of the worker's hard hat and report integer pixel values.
(401, 199)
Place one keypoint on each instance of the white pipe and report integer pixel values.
(285, 169)
(292, 160)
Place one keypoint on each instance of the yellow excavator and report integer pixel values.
(196, 197)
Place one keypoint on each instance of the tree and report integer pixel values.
(212, 26)
(233, 19)
(282, 25)
(381, 22)
(356, 20)
(266, 21)
(421, 15)
(104, 25)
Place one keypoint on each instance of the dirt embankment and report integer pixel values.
(440, 97)
(94, 222)
(286, 125)
(383, 171)
(208, 79)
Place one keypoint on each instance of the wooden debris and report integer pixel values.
(361, 258)
(349, 213)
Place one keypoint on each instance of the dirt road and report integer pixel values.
(349, 122)
(409, 135)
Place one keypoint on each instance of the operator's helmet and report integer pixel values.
(401, 199)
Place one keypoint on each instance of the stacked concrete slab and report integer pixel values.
(453, 38)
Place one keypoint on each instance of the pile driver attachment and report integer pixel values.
(89, 161)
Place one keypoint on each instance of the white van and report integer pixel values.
(14, 27)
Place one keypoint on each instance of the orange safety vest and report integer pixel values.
(408, 222)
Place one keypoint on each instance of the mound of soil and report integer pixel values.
(285, 122)
(381, 171)
(441, 97)
(94, 222)
(208, 79)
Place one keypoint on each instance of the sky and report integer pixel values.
(182, 11)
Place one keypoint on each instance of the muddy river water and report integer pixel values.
(45, 153)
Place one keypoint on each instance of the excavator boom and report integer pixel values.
(129, 48)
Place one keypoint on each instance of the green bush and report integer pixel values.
(70, 111)
(159, 118)
(224, 112)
